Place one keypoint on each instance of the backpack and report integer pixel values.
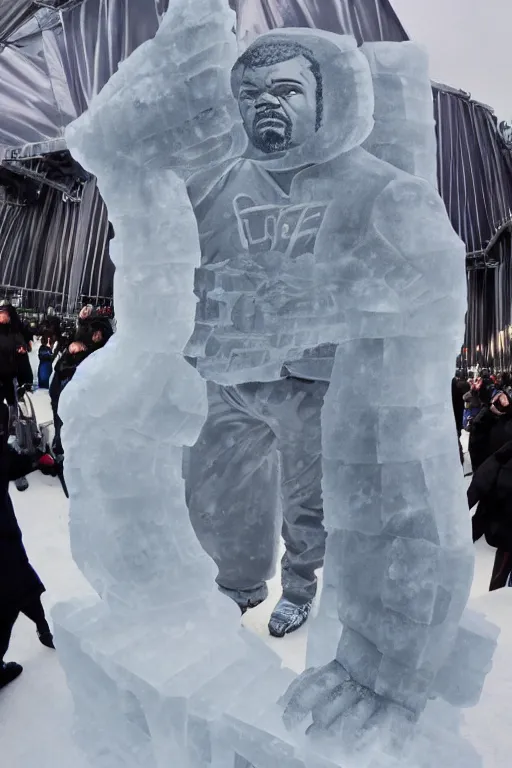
(26, 428)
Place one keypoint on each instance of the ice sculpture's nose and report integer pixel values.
(266, 99)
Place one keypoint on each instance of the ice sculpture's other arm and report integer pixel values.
(403, 557)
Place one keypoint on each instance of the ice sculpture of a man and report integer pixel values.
(307, 240)
(233, 472)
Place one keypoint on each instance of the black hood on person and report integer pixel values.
(13, 325)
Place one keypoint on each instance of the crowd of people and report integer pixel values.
(483, 407)
(61, 351)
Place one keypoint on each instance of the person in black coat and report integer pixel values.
(489, 446)
(491, 429)
(13, 353)
(51, 329)
(25, 372)
(92, 334)
(20, 586)
(459, 389)
(45, 368)
(491, 489)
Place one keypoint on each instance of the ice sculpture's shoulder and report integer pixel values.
(408, 201)
(213, 180)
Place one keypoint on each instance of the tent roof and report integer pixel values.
(59, 54)
(15, 13)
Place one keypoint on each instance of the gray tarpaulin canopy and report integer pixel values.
(55, 55)
(54, 230)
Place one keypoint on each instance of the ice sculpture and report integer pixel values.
(359, 254)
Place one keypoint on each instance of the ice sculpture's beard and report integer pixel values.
(272, 132)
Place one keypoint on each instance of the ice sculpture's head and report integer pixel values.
(305, 96)
(280, 96)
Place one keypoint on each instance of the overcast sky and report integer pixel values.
(470, 45)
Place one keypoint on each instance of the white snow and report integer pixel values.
(36, 711)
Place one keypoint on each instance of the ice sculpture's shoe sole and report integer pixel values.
(288, 631)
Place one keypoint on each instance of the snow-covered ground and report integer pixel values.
(36, 710)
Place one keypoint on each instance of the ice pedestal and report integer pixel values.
(150, 694)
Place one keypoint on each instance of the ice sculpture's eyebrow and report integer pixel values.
(288, 80)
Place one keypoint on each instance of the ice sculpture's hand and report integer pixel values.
(341, 707)
(275, 307)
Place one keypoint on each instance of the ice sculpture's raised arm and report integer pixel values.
(181, 94)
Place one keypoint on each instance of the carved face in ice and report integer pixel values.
(280, 97)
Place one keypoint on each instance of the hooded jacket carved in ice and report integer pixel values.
(251, 229)
(384, 263)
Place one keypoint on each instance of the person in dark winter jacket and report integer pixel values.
(478, 396)
(491, 489)
(92, 334)
(64, 371)
(13, 353)
(51, 329)
(459, 388)
(20, 586)
(44, 371)
(491, 429)
(25, 372)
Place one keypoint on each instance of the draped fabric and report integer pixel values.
(489, 320)
(475, 169)
(13, 14)
(56, 246)
(367, 20)
(55, 63)
(34, 93)
(50, 70)
(100, 34)
(475, 178)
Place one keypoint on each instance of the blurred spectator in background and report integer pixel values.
(46, 357)
(51, 330)
(13, 354)
(479, 394)
(491, 429)
(92, 334)
(459, 388)
(491, 488)
(20, 586)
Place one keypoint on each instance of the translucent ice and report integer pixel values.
(300, 237)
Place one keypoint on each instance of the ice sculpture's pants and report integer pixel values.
(233, 475)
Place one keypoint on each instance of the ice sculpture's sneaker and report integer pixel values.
(250, 604)
(287, 617)
(9, 672)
